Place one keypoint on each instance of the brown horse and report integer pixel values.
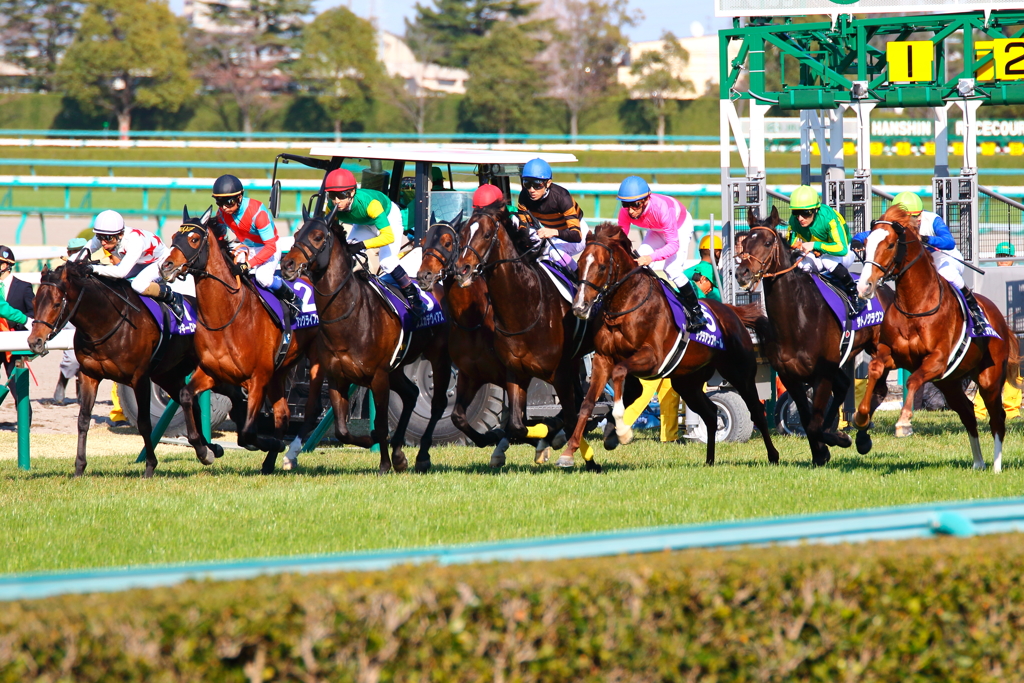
(921, 331)
(637, 334)
(237, 341)
(359, 341)
(801, 335)
(116, 338)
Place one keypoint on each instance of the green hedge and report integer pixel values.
(924, 610)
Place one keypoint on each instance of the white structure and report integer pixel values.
(701, 70)
(399, 61)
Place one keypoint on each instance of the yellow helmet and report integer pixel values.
(804, 197)
(706, 242)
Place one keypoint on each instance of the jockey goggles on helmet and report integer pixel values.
(341, 194)
(228, 201)
(534, 183)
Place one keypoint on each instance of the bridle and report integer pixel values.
(446, 257)
(774, 258)
(321, 257)
(191, 267)
(901, 255)
(482, 266)
(57, 325)
(608, 290)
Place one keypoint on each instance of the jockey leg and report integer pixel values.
(145, 283)
(841, 276)
(409, 290)
(695, 320)
(953, 273)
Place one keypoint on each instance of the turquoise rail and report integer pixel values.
(919, 521)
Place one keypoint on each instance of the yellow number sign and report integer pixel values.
(1009, 56)
(987, 72)
(910, 61)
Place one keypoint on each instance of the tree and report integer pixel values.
(338, 62)
(127, 54)
(503, 82)
(451, 33)
(35, 33)
(657, 81)
(586, 53)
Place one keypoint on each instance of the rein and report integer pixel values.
(774, 257)
(190, 267)
(608, 290)
(314, 255)
(57, 325)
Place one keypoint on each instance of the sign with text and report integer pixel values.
(1009, 57)
(910, 61)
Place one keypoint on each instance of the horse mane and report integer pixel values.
(896, 213)
(612, 233)
(499, 213)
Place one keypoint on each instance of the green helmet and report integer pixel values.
(804, 197)
(910, 201)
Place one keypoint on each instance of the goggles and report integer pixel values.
(634, 204)
(228, 201)
(804, 213)
(534, 183)
(341, 194)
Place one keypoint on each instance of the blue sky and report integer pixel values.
(392, 13)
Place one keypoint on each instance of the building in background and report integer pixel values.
(399, 61)
(702, 69)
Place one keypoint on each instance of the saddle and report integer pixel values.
(849, 321)
(392, 295)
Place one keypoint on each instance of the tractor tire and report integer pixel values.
(734, 423)
(219, 407)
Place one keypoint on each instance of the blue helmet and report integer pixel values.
(537, 168)
(633, 188)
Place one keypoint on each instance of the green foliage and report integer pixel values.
(917, 610)
(127, 54)
(35, 33)
(452, 32)
(657, 83)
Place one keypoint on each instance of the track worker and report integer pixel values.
(560, 217)
(947, 258)
(135, 255)
(669, 228)
(821, 234)
(703, 274)
(248, 230)
(374, 219)
(1011, 393)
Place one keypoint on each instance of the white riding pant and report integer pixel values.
(264, 273)
(674, 264)
(812, 263)
(147, 275)
(565, 253)
(948, 268)
(69, 364)
(388, 254)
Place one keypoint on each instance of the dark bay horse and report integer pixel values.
(116, 338)
(237, 341)
(801, 336)
(922, 328)
(637, 333)
(359, 342)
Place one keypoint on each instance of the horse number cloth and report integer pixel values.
(872, 315)
(433, 314)
(183, 327)
(710, 336)
(307, 317)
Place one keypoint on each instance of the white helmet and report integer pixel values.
(108, 223)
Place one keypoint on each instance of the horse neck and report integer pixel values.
(468, 306)
(216, 265)
(789, 298)
(630, 289)
(96, 309)
(338, 270)
(509, 282)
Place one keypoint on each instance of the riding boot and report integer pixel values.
(412, 295)
(172, 299)
(978, 328)
(289, 298)
(695, 320)
(841, 276)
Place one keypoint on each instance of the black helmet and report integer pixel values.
(226, 186)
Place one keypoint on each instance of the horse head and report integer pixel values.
(51, 308)
(440, 246)
(481, 238)
(311, 252)
(886, 249)
(605, 263)
(762, 251)
(190, 250)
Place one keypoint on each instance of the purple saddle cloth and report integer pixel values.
(433, 313)
(872, 315)
(304, 291)
(989, 330)
(710, 336)
(561, 279)
(184, 327)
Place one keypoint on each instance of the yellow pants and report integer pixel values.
(116, 414)
(1011, 403)
(668, 399)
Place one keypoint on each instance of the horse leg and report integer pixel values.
(467, 384)
(990, 383)
(931, 367)
(798, 393)
(567, 381)
(381, 388)
(86, 400)
(515, 429)
(441, 366)
(742, 377)
(599, 376)
(340, 403)
(190, 408)
(958, 401)
(816, 427)
(279, 404)
(143, 391)
(407, 391)
(313, 410)
(247, 436)
(878, 370)
(622, 430)
(840, 386)
(693, 393)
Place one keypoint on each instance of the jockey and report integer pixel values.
(703, 274)
(248, 230)
(947, 258)
(375, 219)
(135, 255)
(821, 233)
(560, 217)
(669, 228)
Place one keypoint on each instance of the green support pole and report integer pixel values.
(161, 426)
(903, 376)
(20, 378)
(204, 416)
(317, 435)
(375, 448)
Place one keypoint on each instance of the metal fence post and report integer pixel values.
(20, 378)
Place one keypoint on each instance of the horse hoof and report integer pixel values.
(422, 465)
(626, 436)
(399, 461)
(566, 462)
(542, 455)
(267, 469)
(148, 474)
(497, 460)
(863, 442)
(980, 466)
(289, 464)
(773, 458)
(843, 440)
(384, 469)
(903, 431)
(559, 440)
(207, 458)
(218, 450)
(611, 440)
(593, 466)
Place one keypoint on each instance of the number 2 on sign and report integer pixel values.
(1009, 57)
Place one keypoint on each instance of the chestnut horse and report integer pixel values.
(637, 333)
(921, 331)
(801, 335)
(116, 338)
(237, 341)
(359, 339)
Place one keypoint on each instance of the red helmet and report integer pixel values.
(339, 180)
(486, 195)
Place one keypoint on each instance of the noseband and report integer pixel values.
(316, 255)
(774, 258)
(901, 255)
(444, 256)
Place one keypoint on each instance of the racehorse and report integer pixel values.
(116, 338)
(922, 329)
(802, 336)
(361, 339)
(536, 334)
(637, 334)
(237, 340)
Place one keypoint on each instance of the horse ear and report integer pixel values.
(206, 216)
(433, 219)
(775, 214)
(184, 214)
(751, 216)
(331, 215)
(458, 219)
(305, 213)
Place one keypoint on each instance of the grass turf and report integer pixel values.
(111, 517)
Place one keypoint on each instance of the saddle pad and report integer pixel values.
(710, 336)
(184, 327)
(989, 330)
(433, 313)
(963, 343)
(308, 316)
(872, 315)
(565, 286)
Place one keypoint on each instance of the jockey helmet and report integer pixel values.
(339, 180)
(108, 223)
(633, 188)
(6, 255)
(227, 186)
(706, 242)
(910, 201)
(1005, 249)
(537, 168)
(486, 195)
(804, 197)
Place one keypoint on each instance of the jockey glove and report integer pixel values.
(244, 267)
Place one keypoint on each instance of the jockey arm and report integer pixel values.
(943, 238)
(386, 234)
(838, 243)
(9, 312)
(264, 227)
(133, 248)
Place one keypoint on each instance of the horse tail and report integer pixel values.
(1013, 362)
(750, 315)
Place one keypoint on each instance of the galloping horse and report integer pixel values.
(924, 329)
(360, 340)
(237, 341)
(536, 332)
(115, 338)
(801, 334)
(637, 336)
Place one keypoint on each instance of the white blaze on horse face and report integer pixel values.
(472, 232)
(874, 239)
